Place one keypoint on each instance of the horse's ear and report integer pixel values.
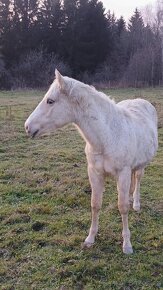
(60, 79)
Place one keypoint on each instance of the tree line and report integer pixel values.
(78, 37)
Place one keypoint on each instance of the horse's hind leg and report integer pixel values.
(97, 185)
(132, 186)
(136, 195)
(123, 186)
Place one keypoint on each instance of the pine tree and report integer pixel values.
(69, 34)
(17, 21)
(116, 59)
(136, 32)
(121, 25)
(5, 28)
(51, 21)
(112, 33)
(85, 35)
(24, 20)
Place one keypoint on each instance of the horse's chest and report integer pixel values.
(96, 161)
(101, 164)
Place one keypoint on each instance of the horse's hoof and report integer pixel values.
(127, 250)
(136, 207)
(87, 245)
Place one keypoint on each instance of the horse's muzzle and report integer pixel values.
(30, 132)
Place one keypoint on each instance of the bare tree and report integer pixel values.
(153, 16)
(160, 25)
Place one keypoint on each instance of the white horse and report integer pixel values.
(121, 139)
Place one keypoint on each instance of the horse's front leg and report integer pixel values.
(123, 186)
(97, 185)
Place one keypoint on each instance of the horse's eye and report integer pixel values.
(50, 101)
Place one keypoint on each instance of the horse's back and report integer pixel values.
(140, 108)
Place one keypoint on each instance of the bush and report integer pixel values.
(36, 69)
(4, 76)
(100, 78)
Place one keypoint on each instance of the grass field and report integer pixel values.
(45, 210)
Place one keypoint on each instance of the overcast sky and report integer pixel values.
(125, 7)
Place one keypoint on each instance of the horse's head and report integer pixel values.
(54, 111)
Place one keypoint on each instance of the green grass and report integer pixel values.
(45, 209)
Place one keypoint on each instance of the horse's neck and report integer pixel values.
(94, 122)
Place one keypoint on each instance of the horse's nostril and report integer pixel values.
(27, 128)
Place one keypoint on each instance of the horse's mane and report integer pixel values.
(83, 92)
